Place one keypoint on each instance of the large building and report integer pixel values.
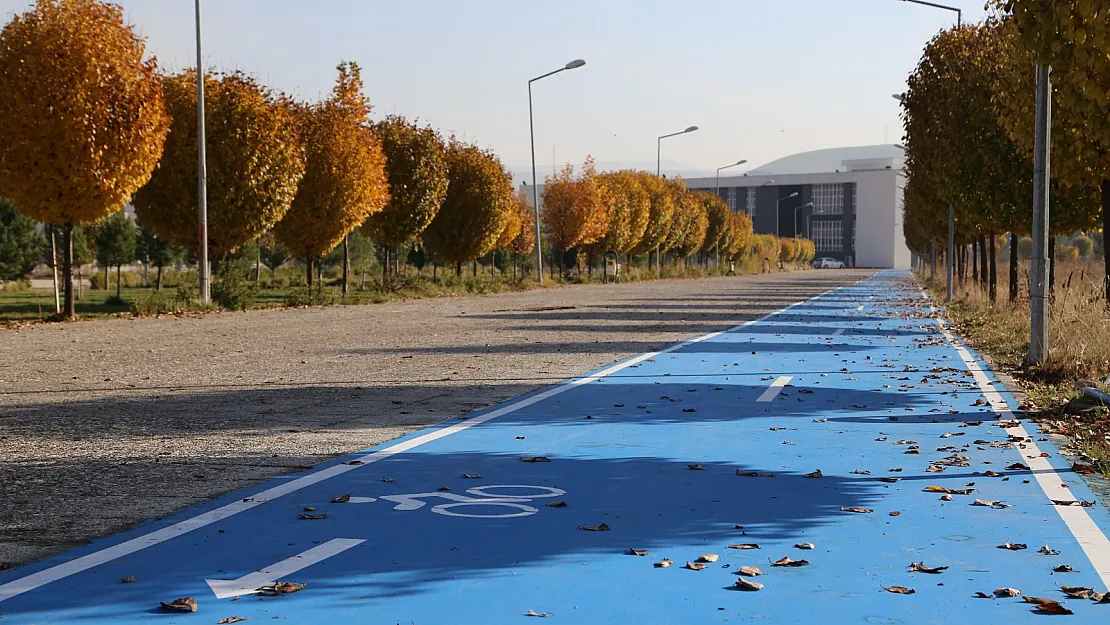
(847, 200)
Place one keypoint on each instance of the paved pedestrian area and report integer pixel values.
(849, 442)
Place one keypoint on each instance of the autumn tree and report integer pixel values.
(629, 208)
(525, 241)
(344, 178)
(254, 163)
(82, 120)
(416, 162)
(575, 209)
(689, 224)
(718, 213)
(475, 209)
(737, 239)
(154, 251)
(659, 216)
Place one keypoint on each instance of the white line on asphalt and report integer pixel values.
(1091, 539)
(72, 567)
(253, 582)
(776, 387)
(860, 307)
(838, 332)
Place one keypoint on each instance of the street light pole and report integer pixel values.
(959, 11)
(717, 188)
(778, 203)
(1038, 280)
(806, 205)
(202, 175)
(535, 191)
(659, 172)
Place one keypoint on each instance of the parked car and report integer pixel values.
(827, 263)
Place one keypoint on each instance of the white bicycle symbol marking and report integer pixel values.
(483, 496)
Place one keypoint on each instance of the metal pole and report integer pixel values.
(535, 190)
(950, 260)
(202, 175)
(1038, 279)
(54, 269)
(933, 263)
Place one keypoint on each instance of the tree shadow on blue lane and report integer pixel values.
(648, 503)
(738, 347)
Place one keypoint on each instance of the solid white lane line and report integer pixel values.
(251, 583)
(838, 332)
(860, 307)
(1090, 537)
(59, 571)
(776, 387)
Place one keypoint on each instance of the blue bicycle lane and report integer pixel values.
(768, 434)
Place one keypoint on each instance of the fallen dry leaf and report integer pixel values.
(343, 499)
(919, 567)
(1037, 600)
(184, 604)
(1007, 592)
(895, 513)
(230, 619)
(1046, 550)
(281, 588)
(860, 472)
(1062, 568)
(1053, 607)
(946, 497)
(696, 467)
(789, 562)
(472, 476)
(1103, 597)
(890, 480)
(539, 614)
(805, 546)
(856, 509)
(308, 516)
(130, 579)
(981, 595)
(744, 584)
(695, 566)
(556, 504)
(815, 474)
(1073, 502)
(1078, 592)
(744, 546)
(709, 557)
(1013, 546)
(747, 473)
(535, 459)
(990, 503)
(899, 590)
(662, 564)
(1017, 466)
(750, 571)
(632, 551)
(594, 528)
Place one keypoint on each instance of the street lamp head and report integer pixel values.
(768, 183)
(898, 96)
(691, 129)
(794, 194)
(575, 64)
(741, 161)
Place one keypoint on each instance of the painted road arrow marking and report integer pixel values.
(251, 583)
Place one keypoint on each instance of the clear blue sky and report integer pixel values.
(762, 79)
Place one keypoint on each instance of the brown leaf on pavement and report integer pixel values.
(539, 614)
(919, 567)
(750, 571)
(856, 509)
(1062, 568)
(1013, 546)
(743, 584)
(1037, 600)
(1078, 592)
(890, 480)
(230, 619)
(344, 499)
(899, 590)
(696, 467)
(662, 564)
(556, 504)
(130, 579)
(695, 566)
(981, 595)
(1017, 466)
(805, 546)
(184, 604)
(472, 476)
(815, 474)
(535, 459)
(1007, 592)
(789, 562)
(281, 588)
(990, 503)
(744, 546)
(594, 528)
(709, 557)
(308, 516)
(632, 551)
(1046, 550)
(1053, 607)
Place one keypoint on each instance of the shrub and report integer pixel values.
(317, 296)
(231, 289)
(131, 280)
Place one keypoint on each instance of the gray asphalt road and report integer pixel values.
(107, 424)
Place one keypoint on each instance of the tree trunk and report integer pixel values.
(458, 269)
(1105, 233)
(346, 264)
(474, 267)
(984, 264)
(67, 271)
(119, 282)
(54, 270)
(1013, 267)
(308, 273)
(975, 261)
(258, 263)
(993, 289)
(158, 287)
(107, 283)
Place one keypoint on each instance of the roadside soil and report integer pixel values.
(107, 424)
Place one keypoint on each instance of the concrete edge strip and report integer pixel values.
(1091, 539)
(52, 574)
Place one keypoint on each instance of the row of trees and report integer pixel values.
(634, 213)
(969, 123)
(87, 122)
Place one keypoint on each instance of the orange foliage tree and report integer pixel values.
(575, 211)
